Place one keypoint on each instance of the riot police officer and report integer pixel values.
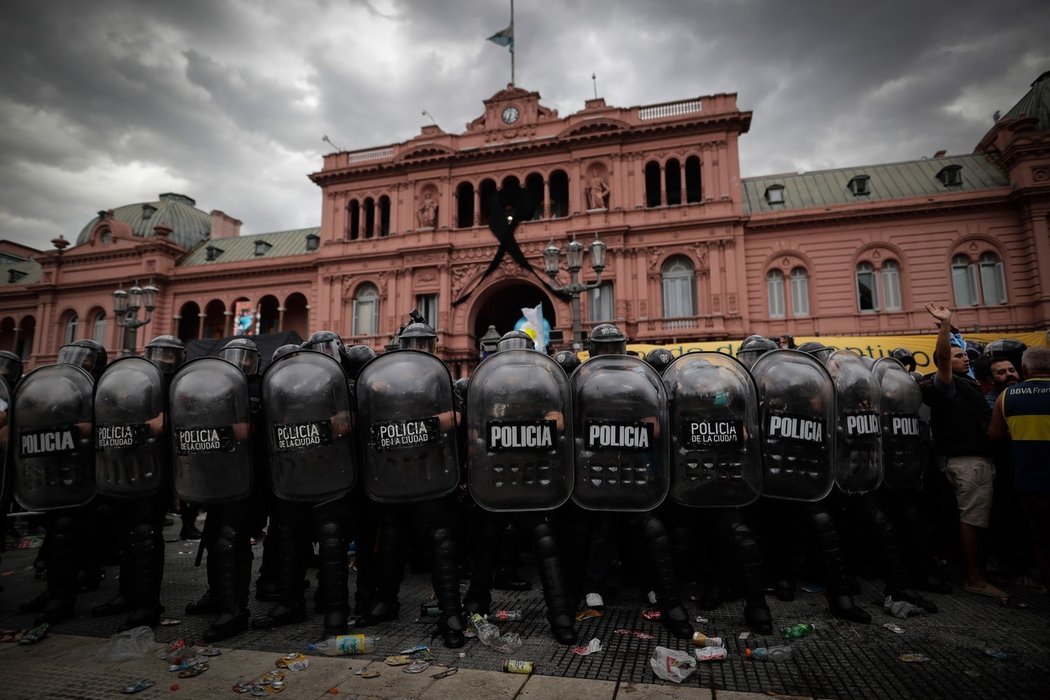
(54, 466)
(408, 418)
(716, 471)
(517, 422)
(622, 465)
(215, 415)
(797, 408)
(313, 469)
(133, 471)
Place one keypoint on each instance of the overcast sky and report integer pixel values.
(112, 102)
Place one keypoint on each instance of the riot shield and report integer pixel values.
(519, 455)
(5, 432)
(796, 404)
(713, 425)
(53, 417)
(619, 409)
(407, 427)
(130, 431)
(903, 450)
(308, 422)
(210, 432)
(858, 444)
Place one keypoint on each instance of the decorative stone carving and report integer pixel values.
(654, 258)
(1041, 174)
(461, 274)
(701, 254)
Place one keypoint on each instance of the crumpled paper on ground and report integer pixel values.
(591, 647)
(671, 664)
(901, 608)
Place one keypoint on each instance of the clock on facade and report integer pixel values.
(510, 115)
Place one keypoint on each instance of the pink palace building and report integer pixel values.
(692, 250)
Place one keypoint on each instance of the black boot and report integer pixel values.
(758, 617)
(291, 607)
(749, 561)
(333, 577)
(229, 560)
(388, 567)
(840, 602)
(147, 546)
(555, 589)
(61, 573)
(121, 602)
(452, 624)
(672, 613)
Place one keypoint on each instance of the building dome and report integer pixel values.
(1035, 104)
(189, 225)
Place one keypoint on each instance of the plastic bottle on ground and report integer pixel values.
(777, 653)
(344, 645)
(797, 630)
(505, 615)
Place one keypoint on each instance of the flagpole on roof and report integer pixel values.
(505, 37)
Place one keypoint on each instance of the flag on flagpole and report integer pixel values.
(504, 38)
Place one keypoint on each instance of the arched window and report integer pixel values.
(867, 289)
(891, 285)
(69, 330)
(964, 281)
(366, 311)
(370, 217)
(98, 327)
(384, 216)
(679, 287)
(464, 205)
(775, 293)
(559, 186)
(601, 305)
(652, 184)
(534, 184)
(354, 227)
(993, 280)
(799, 292)
(692, 179)
(673, 178)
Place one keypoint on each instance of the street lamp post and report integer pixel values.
(126, 305)
(574, 258)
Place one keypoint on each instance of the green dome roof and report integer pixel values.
(1035, 103)
(189, 225)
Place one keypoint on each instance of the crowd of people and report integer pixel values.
(720, 478)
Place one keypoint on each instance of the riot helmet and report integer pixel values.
(355, 357)
(904, 356)
(567, 359)
(244, 354)
(10, 367)
(515, 340)
(659, 359)
(327, 342)
(283, 351)
(1007, 349)
(817, 349)
(753, 347)
(418, 336)
(167, 352)
(606, 339)
(87, 354)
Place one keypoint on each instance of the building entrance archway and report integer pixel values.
(501, 305)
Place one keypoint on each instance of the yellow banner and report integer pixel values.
(921, 346)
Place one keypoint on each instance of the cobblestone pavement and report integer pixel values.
(839, 660)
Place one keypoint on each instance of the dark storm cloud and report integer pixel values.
(112, 102)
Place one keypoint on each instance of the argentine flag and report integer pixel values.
(504, 38)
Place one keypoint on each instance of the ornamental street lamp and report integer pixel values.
(126, 305)
(574, 258)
